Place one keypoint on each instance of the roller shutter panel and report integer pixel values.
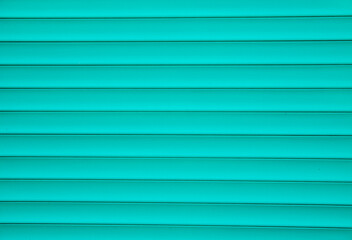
(168, 120)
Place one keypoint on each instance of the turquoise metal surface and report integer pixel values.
(178, 29)
(150, 232)
(177, 146)
(160, 53)
(169, 120)
(176, 99)
(271, 123)
(177, 191)
(180, 8)
(250, 169)
(177, 213)
(215, 76)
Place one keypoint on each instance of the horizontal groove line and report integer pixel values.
(223, 158)
(174, 17)
(185, 112)
(168, 65)
(169, 88)
(182, 203)
(164, 180)
(166, 134)
(179, 41)
(171, 157)
(174, 134)
(179, 225)
(163, 65)
(134, 111)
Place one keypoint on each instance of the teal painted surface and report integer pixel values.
(177, 191)
(122, 53)
(177, 146)
(176, 100)
(150, 232)
(262, 169)
(181, 8)
(271, 123)
(184, 29)
(215, 76)
(177, 213)
(176, 120)
(109, 232)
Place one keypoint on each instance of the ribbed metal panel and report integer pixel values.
(168, 120)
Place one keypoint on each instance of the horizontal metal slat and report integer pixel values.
(270, 123)
(185, 214)
(168, 232)
(176, 146)
(248, 76)
(176, 100)
(102, 53)
(180, 8)
(177, 191)
(176, 29)
(176, 168)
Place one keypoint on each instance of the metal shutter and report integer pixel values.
(169, 120)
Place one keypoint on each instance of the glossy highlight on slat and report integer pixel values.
(178, 29)
(158, 168)
(181, 8)
(161, 53)
(177, 191)
(188, 76)
(176, 100)
(245, 123)
(176, 146)
(177, 213)
(165, 232)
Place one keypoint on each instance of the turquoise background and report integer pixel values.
(169, 120)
